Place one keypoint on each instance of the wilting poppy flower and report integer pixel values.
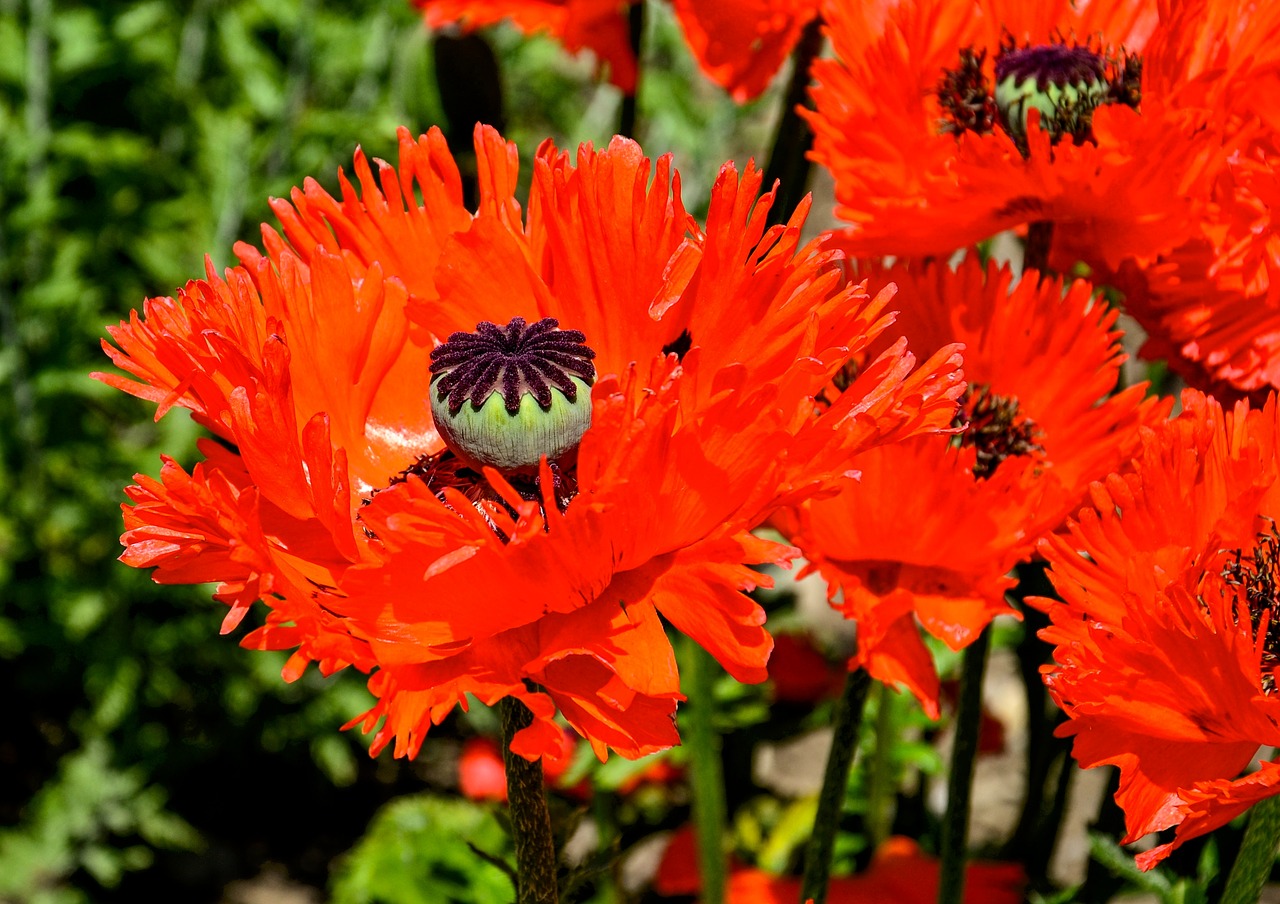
(899, 873)
(929, 533)
(1167, 641)
(597, 25)
(742, 45)
(1211, 306)
(506, 563)
(946, 122)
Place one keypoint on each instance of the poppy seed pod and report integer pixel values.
(504, 397)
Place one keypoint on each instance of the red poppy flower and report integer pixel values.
(899, 873)
(741, 45)
(331, 496)
(800, 672)
(931, 530)
(1211, 306)
(596, 25)
(944, 123)
(1166, 642)
(482, 775)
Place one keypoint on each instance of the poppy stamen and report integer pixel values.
(996, 428)
(1256, 577)
(1065, 82)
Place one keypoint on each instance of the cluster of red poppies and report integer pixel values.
(744, 377)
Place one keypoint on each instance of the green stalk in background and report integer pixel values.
(705, 769)
(880, 786)
(964, 754)
(627, 115)
(788, 163)
(844, 745)
(1257, 854)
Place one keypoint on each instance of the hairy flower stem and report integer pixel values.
(530, 821)
(635, 30)
(964, 753)
(1035, 255)
(788, 161)
(1257, 854)
(705, 770)
(844, 744)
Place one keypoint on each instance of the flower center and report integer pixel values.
(1256, 577)
(995, 428)
(1066, 83)
(504, 397)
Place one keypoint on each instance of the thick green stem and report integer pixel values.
(705, 771)
(530, 820)
(788, 161)
(1257, 854)
(844, 744)
(880, 771)
(964, 754)
(635, 28)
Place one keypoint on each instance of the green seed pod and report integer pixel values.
(506, 396)
(1064, 83)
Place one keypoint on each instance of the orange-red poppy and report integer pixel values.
(741, 44)
(1166, 641)
(331, 497)
(482, 775)
(899, 873)
(925, 160)
(801, 673)
(599, 26)
(1211, 306)
(928, 534)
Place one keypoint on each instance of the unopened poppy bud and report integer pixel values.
(1064, 83)
(506, 396)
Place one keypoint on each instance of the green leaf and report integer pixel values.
(417, 852)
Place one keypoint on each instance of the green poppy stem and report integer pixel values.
(530, 819)
(635, 29)
(964, 754)
(880, 787)
(844, 745)
(705, 771)
(1257, 854)
(789, 163)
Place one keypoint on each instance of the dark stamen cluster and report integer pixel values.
(995, 428)
(1256, 577)
(969, 102)
(515, 360)
(966, 96)
(1126, 80)
(445, 470)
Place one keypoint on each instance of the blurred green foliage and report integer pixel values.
(423, 850)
